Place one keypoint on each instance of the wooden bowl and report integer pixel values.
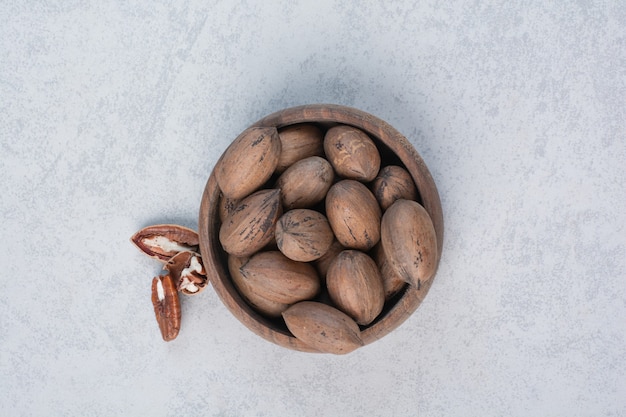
(395, 149)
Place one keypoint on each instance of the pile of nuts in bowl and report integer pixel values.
(317, 233)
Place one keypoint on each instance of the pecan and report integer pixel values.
(162, 241)
(187, 271)
(166, 306)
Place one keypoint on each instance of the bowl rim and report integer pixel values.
(212, 253)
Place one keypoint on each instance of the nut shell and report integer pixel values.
(162, 241)
(303, 235)
(353, 214)
(226, 206)
(323, 327)
(298, 142)
(409, 241)
(256, 301)
(352, 153)
(305, 183)
(326, 259)
(391, 184)
(392, 282)
(275, 277)
(355, 286)
(187, 271)
(248, 162)
(252, 223)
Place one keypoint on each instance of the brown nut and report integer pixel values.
(392, 282)
(187, 271)
(166, 306)
(305, 183)
(325, 260)
(303, 235)
(352, 153)
(162, 241)
(393, 183)
(248, 162)
(323, 327)
(275, 277)
(355, 286)
(256, 301)
(252, 223)
(353, 214)
(298, 142)
(409, 241)
(226, 206)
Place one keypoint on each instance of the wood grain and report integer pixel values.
(403, 305)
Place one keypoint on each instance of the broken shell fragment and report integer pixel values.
(162, 241)
(188, 272)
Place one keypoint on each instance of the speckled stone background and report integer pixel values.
(113, 113)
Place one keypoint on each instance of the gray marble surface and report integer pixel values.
(113, 113)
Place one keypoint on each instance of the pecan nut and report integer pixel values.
(162, 241)
(187, 272)
(166, 306)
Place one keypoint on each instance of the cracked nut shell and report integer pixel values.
(187, 271)
(162, 241)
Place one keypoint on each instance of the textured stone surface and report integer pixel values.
(113, 114)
